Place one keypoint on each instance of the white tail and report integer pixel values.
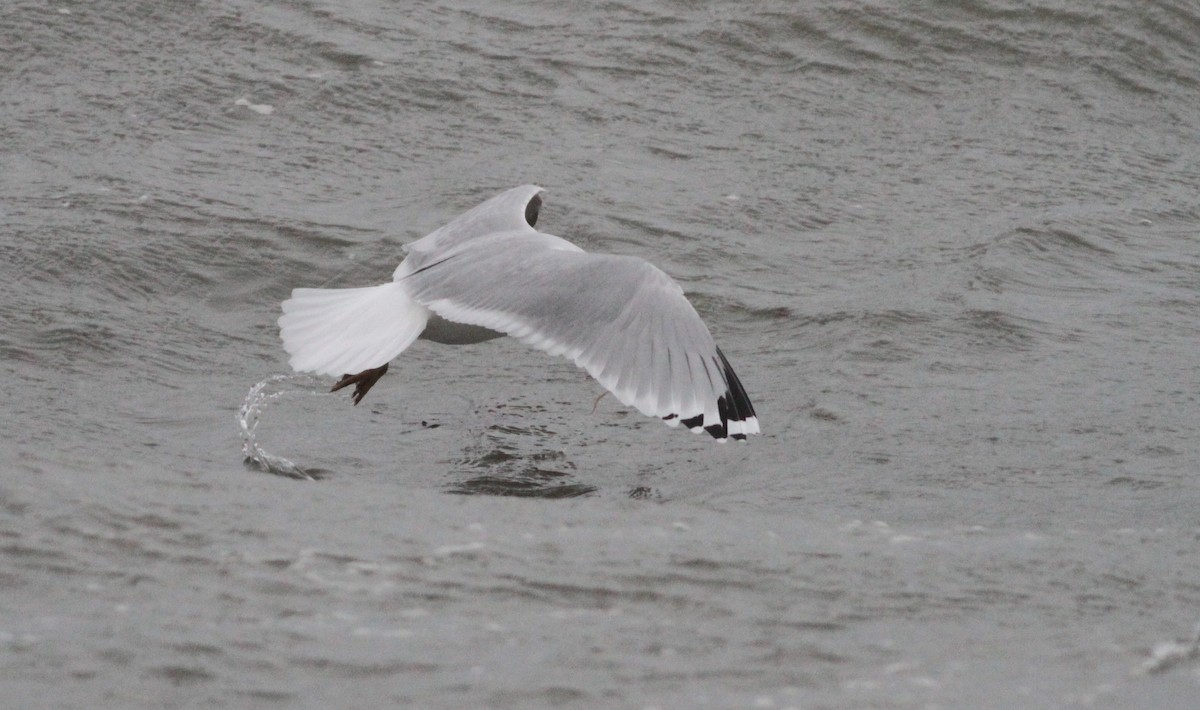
(348, 330)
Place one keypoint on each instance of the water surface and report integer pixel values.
(950, 248)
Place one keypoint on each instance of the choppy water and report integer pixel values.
(951, 248)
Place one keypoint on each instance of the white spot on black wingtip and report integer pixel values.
(735, 414)
(735, 406)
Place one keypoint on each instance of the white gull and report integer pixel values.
(489, 273)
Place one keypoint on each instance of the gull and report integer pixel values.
(490, 273)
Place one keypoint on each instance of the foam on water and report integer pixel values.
(1168, 654)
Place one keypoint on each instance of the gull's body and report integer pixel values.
(489, 273)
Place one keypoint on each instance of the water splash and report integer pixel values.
(248, 416)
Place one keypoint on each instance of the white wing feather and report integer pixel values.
(340, 331)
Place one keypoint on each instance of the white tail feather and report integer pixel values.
(345, 331)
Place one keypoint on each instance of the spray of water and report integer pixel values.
(259, 396)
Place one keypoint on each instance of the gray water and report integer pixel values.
(951, 248)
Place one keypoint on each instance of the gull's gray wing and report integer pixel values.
(618, 317)
(514, 210)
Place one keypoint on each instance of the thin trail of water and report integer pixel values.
(250, 413)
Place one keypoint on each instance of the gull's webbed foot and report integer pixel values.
(363, 382)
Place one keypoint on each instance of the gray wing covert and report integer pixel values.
(514, 210)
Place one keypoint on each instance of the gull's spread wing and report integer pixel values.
(618, 317)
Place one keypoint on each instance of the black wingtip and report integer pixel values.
(735, 406)
(739, 401)
(735, 415)
(532, 209)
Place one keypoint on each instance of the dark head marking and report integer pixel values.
(531, 210)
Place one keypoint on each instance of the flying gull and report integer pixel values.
(489, 273)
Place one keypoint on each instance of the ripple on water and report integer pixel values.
(517, 459)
